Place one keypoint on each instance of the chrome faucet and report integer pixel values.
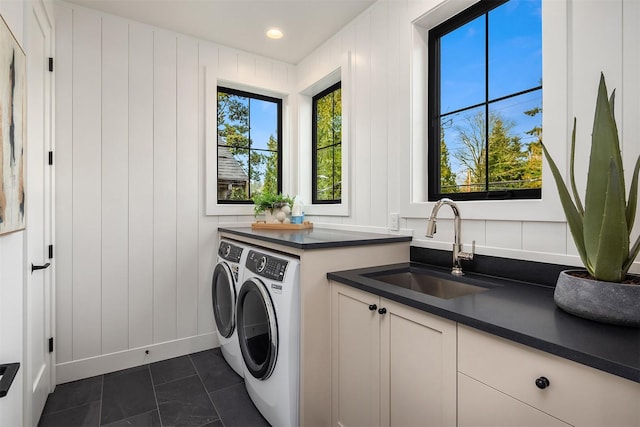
(458, 253)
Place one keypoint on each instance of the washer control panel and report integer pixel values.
(266, 265)
(230, 252)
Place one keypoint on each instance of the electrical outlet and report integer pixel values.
(394, 222)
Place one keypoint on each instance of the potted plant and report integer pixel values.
(270, 204)
(601, 228)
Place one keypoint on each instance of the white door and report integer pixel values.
(39, 231)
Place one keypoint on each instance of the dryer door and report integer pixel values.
(257, 328)
(223, 295)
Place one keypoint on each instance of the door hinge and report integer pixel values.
(51, 345)
(50, 158)
(51, 64)
(50, 251)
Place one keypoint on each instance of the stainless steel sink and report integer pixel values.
(426, 283)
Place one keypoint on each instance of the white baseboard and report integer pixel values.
(98, 365)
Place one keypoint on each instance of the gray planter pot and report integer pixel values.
(606, 302)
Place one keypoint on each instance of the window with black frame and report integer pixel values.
(485, 103)
(249, 133)
(327, 146)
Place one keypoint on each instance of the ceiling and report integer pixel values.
(242, 24)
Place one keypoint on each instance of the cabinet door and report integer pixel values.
(355, 358)
(482, 406)
(418, 360)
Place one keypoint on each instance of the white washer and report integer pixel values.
(227, 277)
(268, 319)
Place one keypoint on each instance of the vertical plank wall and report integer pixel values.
(380, 40)
(135, 251)
(134, 248)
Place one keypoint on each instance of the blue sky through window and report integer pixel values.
(515, 65)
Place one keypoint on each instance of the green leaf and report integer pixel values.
(610, 239)
(633, 198)
(574, 189)
(574, 217)
(604, 150)
(633, 253)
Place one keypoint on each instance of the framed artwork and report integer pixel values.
(12, 131)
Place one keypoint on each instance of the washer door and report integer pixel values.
(257, 329)
(223, 295)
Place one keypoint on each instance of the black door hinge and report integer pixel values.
(50, 158)
(50, 251)
(51, 345)
(50, 64)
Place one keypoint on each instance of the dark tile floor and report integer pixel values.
(192, 391)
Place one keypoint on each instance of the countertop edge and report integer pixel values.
(383, 239)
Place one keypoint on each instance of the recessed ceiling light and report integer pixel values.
(274, 33)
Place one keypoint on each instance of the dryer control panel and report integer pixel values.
(230, 252)
(266, 265)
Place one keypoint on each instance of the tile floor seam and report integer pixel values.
(101, 396)
(206, 391)
(70, 407)
(155, 396)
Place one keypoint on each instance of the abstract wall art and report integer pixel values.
(12, 131)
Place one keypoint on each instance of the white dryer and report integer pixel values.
(227, 277)
(268, 320)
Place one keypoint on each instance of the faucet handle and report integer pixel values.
(468, 255)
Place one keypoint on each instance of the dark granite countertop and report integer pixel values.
(316, 238)
(521, 312)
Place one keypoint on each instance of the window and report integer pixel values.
(327, 145)
(485, 103)
(249, 141)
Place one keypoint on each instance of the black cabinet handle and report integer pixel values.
(39, 267)
(382, 310)
(373, 307)
(542, 383)
(8, 373)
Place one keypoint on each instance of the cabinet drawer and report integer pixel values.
(482, 406)
(577, 394)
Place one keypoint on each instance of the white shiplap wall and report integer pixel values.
(134, 250)
(600, 36)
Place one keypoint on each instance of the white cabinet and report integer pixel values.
(497, 386)
(392, 365)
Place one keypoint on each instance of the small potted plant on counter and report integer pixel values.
(276, 207)
(601, 228)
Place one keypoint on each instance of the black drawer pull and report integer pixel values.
(382, 310)
(542, 383)
(8, 373)
(373, 307)
(39, 267)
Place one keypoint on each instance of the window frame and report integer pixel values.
(314, 145)
(252, 95)
(434, 113)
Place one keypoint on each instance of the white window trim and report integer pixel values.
(211, 147)
(305, 107)
(555, 120)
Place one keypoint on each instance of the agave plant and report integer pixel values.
(601, 229)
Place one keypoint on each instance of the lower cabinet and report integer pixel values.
(392, 365)
(482, 406)
(503, 383)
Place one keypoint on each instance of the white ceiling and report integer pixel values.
(242, 24)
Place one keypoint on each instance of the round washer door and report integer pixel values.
(257, 329)
(223, 296)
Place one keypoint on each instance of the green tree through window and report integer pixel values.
(327, 146)
(485, 97)
(249, 144)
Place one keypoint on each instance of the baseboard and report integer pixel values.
(98, 365)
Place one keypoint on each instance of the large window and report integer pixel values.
(485, 102)
(249, 140)
(327, 146)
